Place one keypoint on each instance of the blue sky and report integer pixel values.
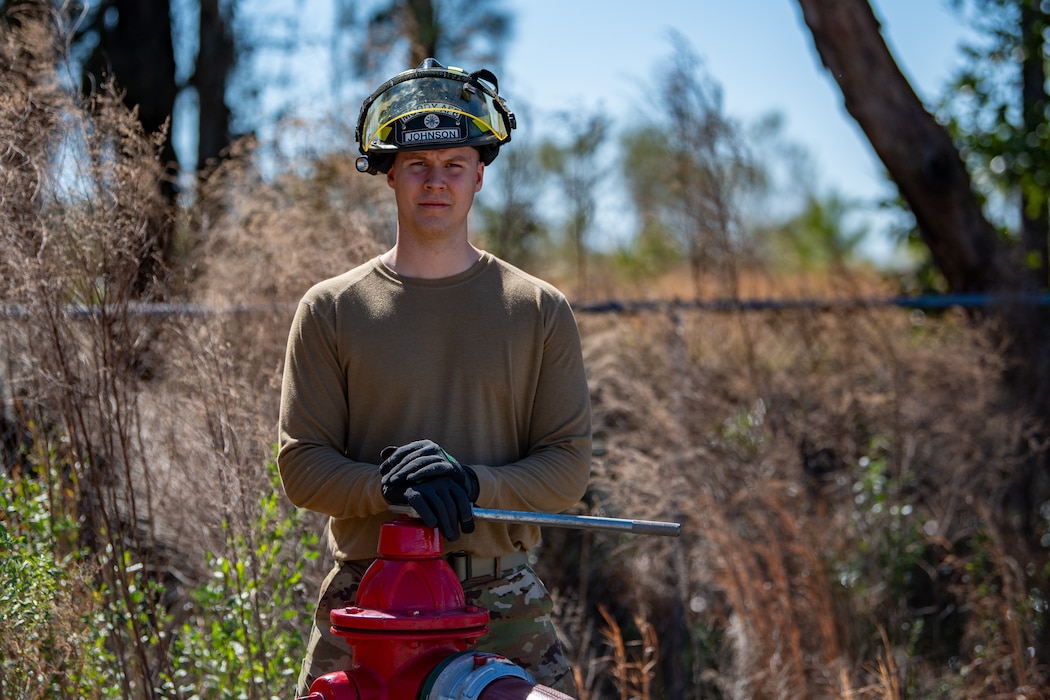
(597, 55)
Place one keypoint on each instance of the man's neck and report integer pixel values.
(430, 262)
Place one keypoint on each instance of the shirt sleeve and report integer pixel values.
(554, 473)
(313, 424)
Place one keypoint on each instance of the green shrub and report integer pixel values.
(45, 643)
(243, 639)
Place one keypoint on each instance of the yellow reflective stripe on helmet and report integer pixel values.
(382, 132)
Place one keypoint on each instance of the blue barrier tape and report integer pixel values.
(922, 302)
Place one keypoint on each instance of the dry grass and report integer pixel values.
(840, 478)
(843, 478)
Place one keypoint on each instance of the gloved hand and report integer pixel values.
(440, 503)
(439, 488)
(421, 461)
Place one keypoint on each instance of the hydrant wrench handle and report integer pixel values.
(583, 522)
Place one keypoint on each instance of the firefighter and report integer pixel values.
(439, 376)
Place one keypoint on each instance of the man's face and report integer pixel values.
(435, 189)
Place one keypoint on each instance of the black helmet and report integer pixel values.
(432, 107)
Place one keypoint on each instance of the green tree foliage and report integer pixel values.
(689, 170)
(997, 112)
(509, 222)
(577, 168)
(820, 236)
(655, 245)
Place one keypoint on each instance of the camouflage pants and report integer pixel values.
(520, 625)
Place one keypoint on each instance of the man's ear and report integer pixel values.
(481, 177)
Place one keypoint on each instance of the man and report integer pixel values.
(437, 375)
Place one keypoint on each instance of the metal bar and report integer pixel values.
(585, 522)
(582, 522)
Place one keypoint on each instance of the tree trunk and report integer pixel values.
(135, 48)
(215, 60)
(424, 31)
(916, 150)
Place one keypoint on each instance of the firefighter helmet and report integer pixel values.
(432, 107)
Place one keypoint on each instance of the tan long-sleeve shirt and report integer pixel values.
(486, 363)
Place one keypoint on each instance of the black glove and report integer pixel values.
(440, 503)
(421, 461)
(439, 488)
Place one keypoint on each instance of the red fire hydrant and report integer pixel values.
(410, 630)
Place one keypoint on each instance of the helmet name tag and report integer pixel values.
(435, 128)
(433, 135)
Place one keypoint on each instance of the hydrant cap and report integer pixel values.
(407, 538)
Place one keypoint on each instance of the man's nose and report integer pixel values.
(435, 178)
